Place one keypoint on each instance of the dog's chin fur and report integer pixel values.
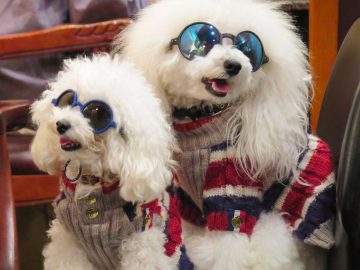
(271, 103)
(138, 150)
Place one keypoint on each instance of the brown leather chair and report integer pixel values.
(339, 126)
(14, 149)
(9, 112)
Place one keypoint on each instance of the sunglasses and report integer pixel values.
(98, 112)
(197, 39)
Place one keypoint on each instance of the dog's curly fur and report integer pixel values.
(137, 151)
(271, 108)
(272, 103)
(141, 156)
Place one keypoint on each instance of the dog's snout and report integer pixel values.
(232, 68)
(62, 126)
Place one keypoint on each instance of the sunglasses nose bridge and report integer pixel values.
(228, 37)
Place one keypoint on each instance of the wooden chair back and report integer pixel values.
(63, 38)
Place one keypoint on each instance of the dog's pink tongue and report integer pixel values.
(220, 86)
(65, 141)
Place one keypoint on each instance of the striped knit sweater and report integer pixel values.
(101, 220)
(215, 193)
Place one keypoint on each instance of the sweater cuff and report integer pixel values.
(316, 227)
(232, 220)
(321, 236)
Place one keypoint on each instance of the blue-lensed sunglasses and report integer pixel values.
(197, 39)
(98, 112)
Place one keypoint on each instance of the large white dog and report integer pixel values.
(257, 189)
(102, 129)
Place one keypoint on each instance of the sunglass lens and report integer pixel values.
(198, 39)
(250, 45)
(98, 114)
(66, 99)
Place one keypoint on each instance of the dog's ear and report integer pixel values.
(142, 159)
(44, 152)
(41, 108)
(269, 128)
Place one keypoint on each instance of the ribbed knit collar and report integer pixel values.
(204, 132)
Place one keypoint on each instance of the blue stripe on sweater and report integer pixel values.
(184, 198)
(272, 194)
(184, 261)
(129, 209)
(251, 205)
(303, 153)
(220, 147)
(321, 210)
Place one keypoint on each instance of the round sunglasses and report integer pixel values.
(197, 39)
(98, 112)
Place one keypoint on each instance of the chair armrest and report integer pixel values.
(13, 113)
(8, 237)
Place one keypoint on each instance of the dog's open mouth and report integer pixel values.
(69, 145)
(216, 87)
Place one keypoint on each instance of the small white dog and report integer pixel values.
(101, 127)
(235, 75)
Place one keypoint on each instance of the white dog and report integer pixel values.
(102, 128)
(235, 75)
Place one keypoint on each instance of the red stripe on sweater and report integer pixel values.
(218, 221)
(243, 226)
(319, 167)
(316, 172)
(191, 213)
(250, 224)
(294, 204)
(174, 229)
(153, 206)
(224, 172)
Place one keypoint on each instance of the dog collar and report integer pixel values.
(197, 112)
(73, 174)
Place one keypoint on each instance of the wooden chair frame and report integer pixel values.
(323, 46)
(63, 38)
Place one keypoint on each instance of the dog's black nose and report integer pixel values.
(62, 126)
(232, 67)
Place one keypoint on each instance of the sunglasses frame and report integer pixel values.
(77, 103)
(175, 41)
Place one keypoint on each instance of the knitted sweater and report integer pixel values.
(215, 192)
(101, 220)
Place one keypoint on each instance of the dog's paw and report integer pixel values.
(219, 250)
(273, 245)
(64, 252)
(145, 251)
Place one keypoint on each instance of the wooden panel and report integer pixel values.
(62, 38)
(34, 189)
(323, 44)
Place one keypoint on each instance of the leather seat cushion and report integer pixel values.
(20, 156)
